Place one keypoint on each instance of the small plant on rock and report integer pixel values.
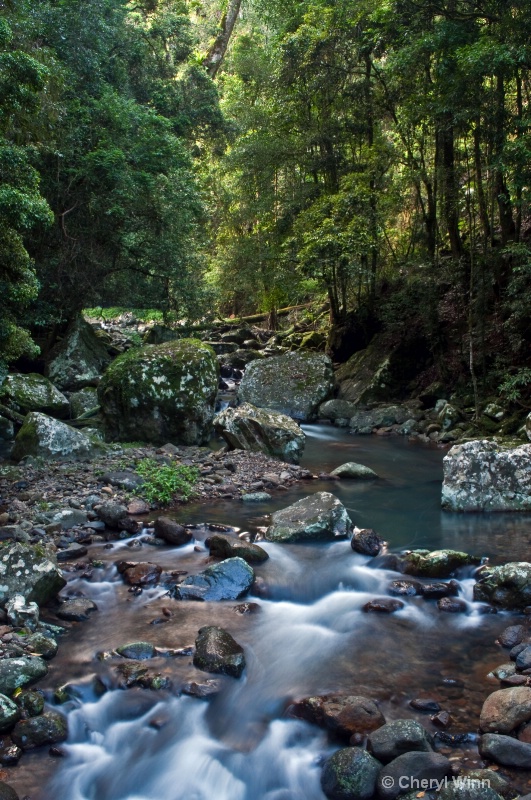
(165, 482)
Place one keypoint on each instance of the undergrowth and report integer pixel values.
(166, 482)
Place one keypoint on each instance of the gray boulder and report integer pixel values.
(229, 546)
(24, 393)
(505, 750)
(505, 710)
(28, 570)
(508, 586)
(261, 430)
(216, 651)
(228, 580)
(404, 772)
(172, 532)
(399, 737)
(161, 393)
(294, 384)
(351, 470)
(484, 476)
(350, 774)
(45, 437)
(316, 517)
(79, 358)
(15, 673)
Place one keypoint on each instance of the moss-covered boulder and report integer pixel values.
(28, 570)
(33, 392)
(79, 358)
(161, 393)
(294, 384)
(350, 774)
(45, 437)
(48, 728)
(435, 564)
(82, 401)
(508, 586)
(16, 673)
(259, 429)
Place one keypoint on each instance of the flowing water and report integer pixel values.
(310, 636)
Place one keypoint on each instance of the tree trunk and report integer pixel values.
(501, 191)
(216, 54)
(451, 209)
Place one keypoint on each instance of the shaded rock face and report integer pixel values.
(294, 384)
(226, 547)
(45, 437)
(350, 774)
(24, 393)
(260, 429)
(28, 570)
(399, 737)
(342, 715)
(216, 651)
(229, 580)
(82, 401)
(161, 393)
(508, 586)
(79, 358)
(316, 517)
(483, 476)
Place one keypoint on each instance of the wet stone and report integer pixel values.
(202, 690)
(216, 651)
(142, 574)
(366, 541)
(228, 547)
(398, 737)
(72, 552)
(512, 635)
(10, 753)
(426, 705)
(433, 591)
(47, 728)
(139, 651)
(229, 580)
(172, 532)
(405, 588)
(350, 774)
(76, 609)
(383, 605)
(505, 750)
(41, 645)
(451, 605)
(31, 703)
(342, 715)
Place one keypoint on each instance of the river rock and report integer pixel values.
(294, 384)
(337, 409)
(142, 573)
(434, 591)
(227, 547)
(29, 570)
(366, 541)
(261, 430)
(512, 635)
(79, 358)
(48, 728)
(140, 651)
(364, 421)
(114, 515)
(508, 586)
(161, 393)
(350, 774)
(82, 401)
(19, 672)
(405, 588)
(452, 605)
(485, 476)
(435, 564)
(412, 767)
(352, 470)
(316, 517)
(172, 532)
(41, 645)
(398, 737)
(505, 710)
(229, 580)
(21, 614)
(7, 792)
(45, 437)
(383, 605)
(24, 393)
(505, 750)
(341, 714)
(9, 713)
(216, 651)
(76, 609)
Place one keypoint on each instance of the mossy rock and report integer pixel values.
(161, 393)
(83, 401)
(435, 564)
(48, 438)
(33, 392)
(79, 358)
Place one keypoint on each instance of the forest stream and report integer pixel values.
(309, 636)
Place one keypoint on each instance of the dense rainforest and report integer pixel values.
(226, 157)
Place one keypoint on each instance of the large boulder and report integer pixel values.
(484, 476)
(435, 564)
(350, 774)
(508, 586)
(33, 392)
(30, 571)
(216, 651)
(45, 437)
(260, 429)
(229, 580)
(161, 393)
(294, 384)
(341, 714)
(316, 517)
(505, 710)
(79, 358)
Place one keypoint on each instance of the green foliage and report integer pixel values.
(516, 387)
(164, 483)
